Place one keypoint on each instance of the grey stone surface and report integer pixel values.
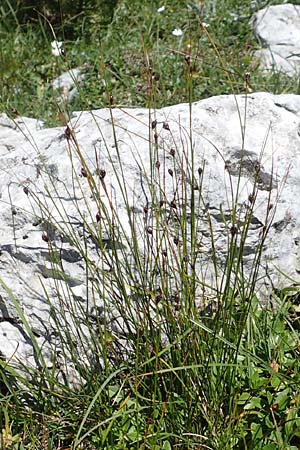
(48, 203)
(278, 30)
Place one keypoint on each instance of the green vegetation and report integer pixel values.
(116, 51)
(221, 375)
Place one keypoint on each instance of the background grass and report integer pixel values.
(226, 377)
(116, 45)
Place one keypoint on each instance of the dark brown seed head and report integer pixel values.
(166, 126)
(257, 166)
(146, 209)
(233, 230)
(15, 112)
(26, 190)
(187, 59)
(45, 237)
(157, 165)
(102, 174)
(98, 216)
(149, 230)
(176, 240)
(172, 152)
(247, 77)
(158, 297)
(251, 198)
(153, 124)
(175, 297)
(84, 172)
(111, 100)
(68, 132)
(164, 253)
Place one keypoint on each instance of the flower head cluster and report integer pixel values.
(161, 9)
(56, 48)
(177, 32)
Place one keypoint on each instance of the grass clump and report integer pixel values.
(164, 360)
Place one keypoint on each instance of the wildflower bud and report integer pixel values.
(84, 172)
(170, 172)
(172, 152)
(166, 126)
(153, 124)
(157, 165)
(274, 366)
(45, 237)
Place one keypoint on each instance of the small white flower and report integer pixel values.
(56, 48)
(177, 32)
(205, 25)
(161, 9)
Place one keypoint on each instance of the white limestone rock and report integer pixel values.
(278, 30)
(49, 205)
(66, 84)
